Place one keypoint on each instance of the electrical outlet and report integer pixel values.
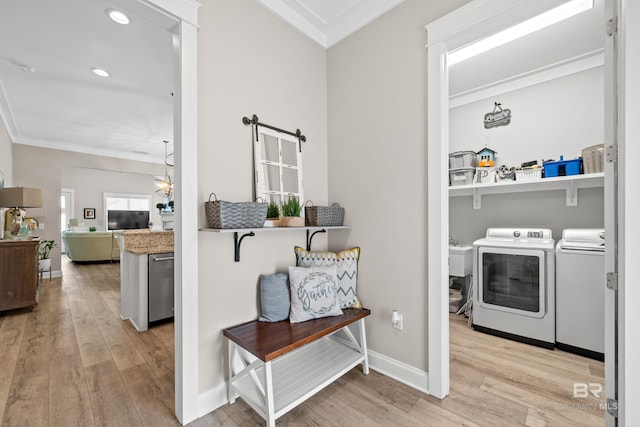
(41, 226)
(398, 323)
(396, 320)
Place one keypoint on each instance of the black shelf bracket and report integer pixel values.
(237, 242)
(310, 237)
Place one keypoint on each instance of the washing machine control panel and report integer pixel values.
(535, 234)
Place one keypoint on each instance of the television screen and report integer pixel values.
(127, 220)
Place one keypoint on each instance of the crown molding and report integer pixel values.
(329, 33)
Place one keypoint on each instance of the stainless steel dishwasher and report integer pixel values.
(160, 286)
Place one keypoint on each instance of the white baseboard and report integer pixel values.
(54, 273)
(216, 397)
(399, 371)
(212, 399)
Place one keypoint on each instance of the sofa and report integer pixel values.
(91, 246)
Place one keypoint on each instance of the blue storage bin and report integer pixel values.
(562, 167)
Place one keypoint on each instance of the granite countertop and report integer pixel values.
(150, 250)
(142, 242)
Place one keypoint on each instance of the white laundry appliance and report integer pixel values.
(580, 292)
(514, 285)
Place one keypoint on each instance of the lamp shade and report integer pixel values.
(20, 197)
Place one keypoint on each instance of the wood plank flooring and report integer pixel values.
(72, 361)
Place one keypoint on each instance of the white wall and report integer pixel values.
(377, 168)
(630, 228)
(557, 117)
(91, 184)
(6, 161)
(546, 209)
(250, 62)
(43, 168)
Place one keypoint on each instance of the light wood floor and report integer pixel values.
(72, 361)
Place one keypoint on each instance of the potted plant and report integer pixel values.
(44, 252)
(291, 213)
(273, 215)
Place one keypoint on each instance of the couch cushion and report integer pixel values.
(91, 246)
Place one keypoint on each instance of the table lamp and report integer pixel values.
(16, 199)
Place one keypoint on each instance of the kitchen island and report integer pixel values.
(139, 299)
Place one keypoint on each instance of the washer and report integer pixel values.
(514, 285)
(580, 292)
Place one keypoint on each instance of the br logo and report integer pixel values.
(583, 390)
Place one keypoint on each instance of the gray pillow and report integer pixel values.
(274, 297)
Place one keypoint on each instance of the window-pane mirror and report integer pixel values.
(278, 167)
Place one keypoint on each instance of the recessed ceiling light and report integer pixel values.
(100, 72)
(118, 16)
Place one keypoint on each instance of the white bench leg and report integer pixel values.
(268, 395)
(231, 395)
(363, 348)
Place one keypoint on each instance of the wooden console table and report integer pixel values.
(18, 273)
(292, 361)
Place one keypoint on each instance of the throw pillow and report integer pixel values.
(347, 270)
(313, 293)
(274, 297)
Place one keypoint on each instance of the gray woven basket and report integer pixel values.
(221, 214)
(323, 215)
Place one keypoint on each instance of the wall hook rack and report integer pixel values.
(310, 237)
(237, 242)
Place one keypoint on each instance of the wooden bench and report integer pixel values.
(291, 361)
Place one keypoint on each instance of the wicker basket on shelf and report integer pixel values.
(323, 216)
(221, 214)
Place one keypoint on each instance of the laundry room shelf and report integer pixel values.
(570, 184)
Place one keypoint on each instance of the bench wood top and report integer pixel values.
(268, 341)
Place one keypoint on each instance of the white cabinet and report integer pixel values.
(133, 289)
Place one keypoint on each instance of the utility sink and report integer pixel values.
(460, 260)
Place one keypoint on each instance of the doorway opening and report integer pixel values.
(460, 28)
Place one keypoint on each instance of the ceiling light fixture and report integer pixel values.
(100, 72)
(164, 185)
(118, 16)
(529, 26)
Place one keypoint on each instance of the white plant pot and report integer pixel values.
(44, 264)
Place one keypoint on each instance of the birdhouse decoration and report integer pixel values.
(486, 157)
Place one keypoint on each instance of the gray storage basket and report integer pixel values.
(221, 214)
(324, 215)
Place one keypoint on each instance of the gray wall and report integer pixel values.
(6, 159)
(250, 62)
(377, 168)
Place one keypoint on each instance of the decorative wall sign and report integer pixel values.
(498, 117)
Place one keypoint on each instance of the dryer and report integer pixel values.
(580, 292)
(514, 285)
